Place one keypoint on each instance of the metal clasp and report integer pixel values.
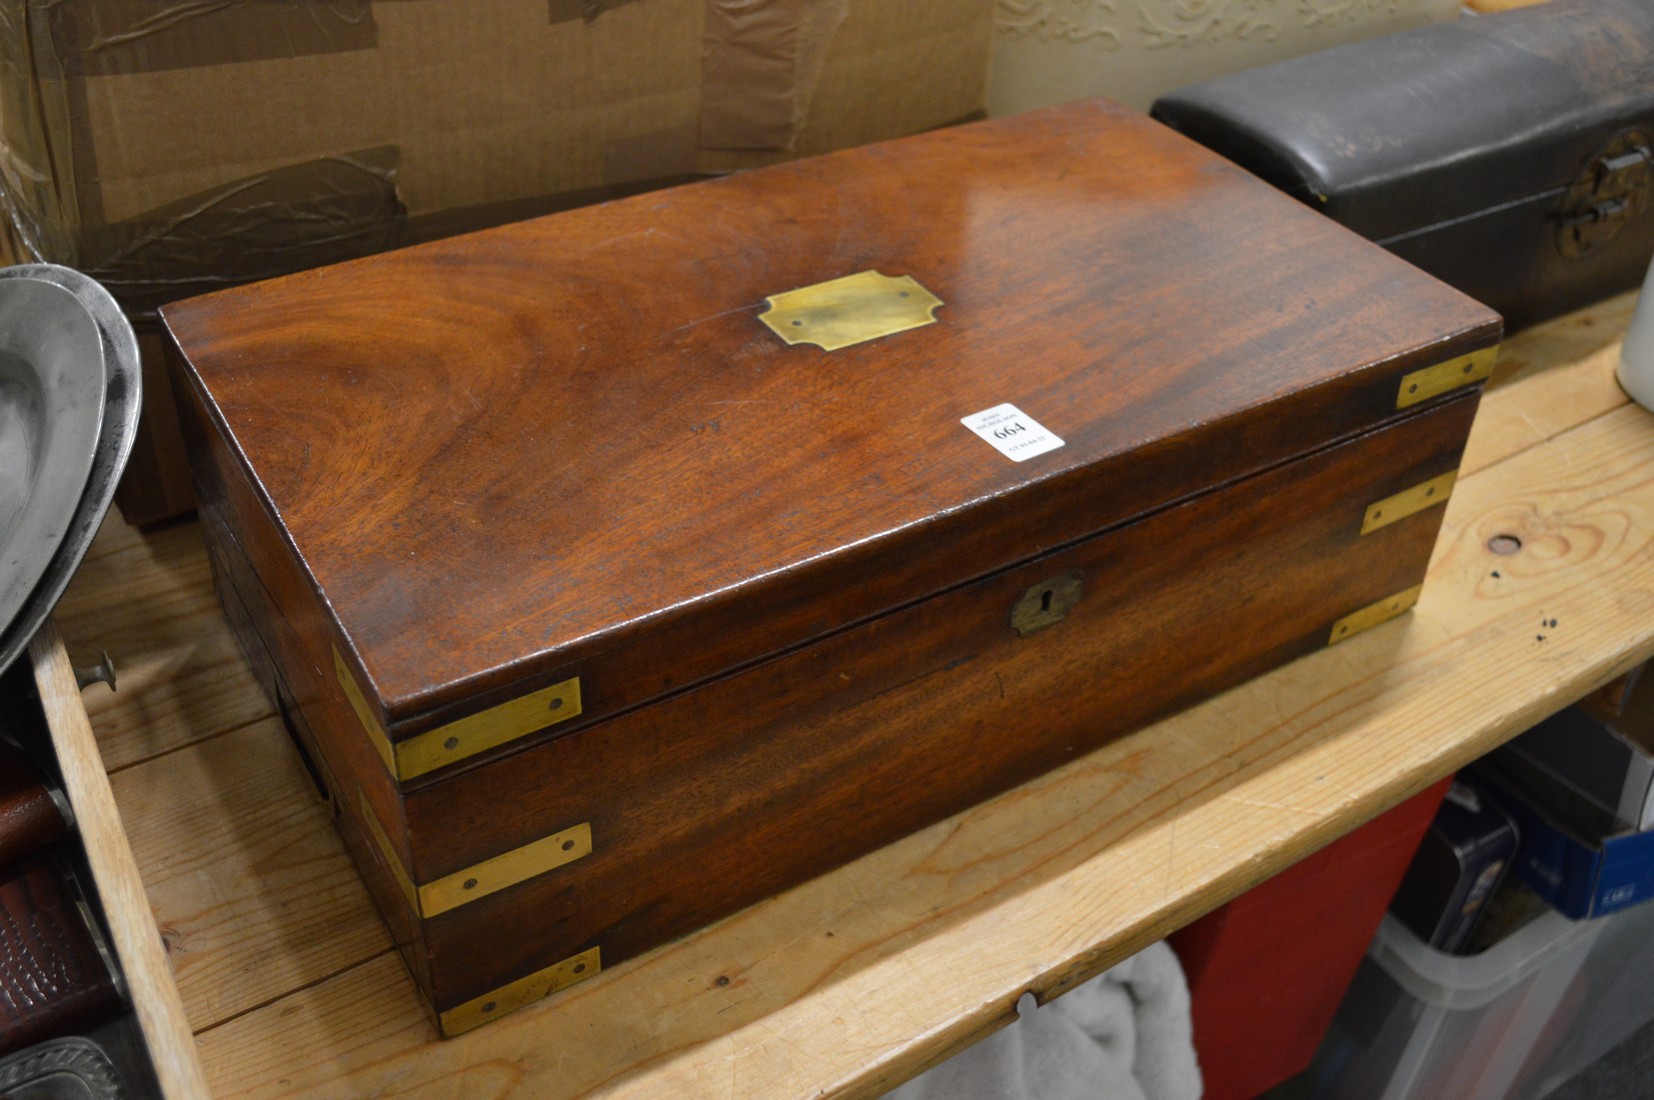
(1611, 191)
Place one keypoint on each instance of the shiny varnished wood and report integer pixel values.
(569, 447)
(763, 779)
(794, 624)
(855, 741)
(847, 984)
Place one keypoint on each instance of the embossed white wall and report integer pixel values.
(1052, 51)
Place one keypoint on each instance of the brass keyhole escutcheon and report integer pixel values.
(1045, 604)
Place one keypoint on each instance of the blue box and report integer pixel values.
(1577, 856)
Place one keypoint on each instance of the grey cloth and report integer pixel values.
(1125, 1035)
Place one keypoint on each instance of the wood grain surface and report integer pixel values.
(839, 748)
(261, 901)
(934, 938)
(568, 447)
(1563, 372)
(115, 874)
(858, 979)
(148, 602)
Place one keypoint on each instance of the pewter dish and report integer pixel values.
(51, 410)
(112, 360)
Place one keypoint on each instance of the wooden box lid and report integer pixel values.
(572, 448)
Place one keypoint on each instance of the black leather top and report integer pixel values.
(1395, 134)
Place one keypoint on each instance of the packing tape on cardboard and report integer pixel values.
(469, 219)
(26, 177)
(760, 61)
(117, 37)
(287, 219)
(163, 257)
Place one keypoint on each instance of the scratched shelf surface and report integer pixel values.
(855, 981)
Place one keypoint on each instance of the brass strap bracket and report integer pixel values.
(488, 877)
(523, 991)
(1374, 614)
(1426, 494)
(1463, 370)
(466, 736)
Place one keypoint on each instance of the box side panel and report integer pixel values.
(232, 578)
(1573, 853)
(715, 799)
(304, 652)
(283, 633)
(156, 483)
(1432, 146)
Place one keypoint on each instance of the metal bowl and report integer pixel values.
(61, 452)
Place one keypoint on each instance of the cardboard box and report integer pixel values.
(1613, 767)
(1577, 856)
(141, 135)
(206, 144)
(170, 147)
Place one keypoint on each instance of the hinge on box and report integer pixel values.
(482, 879)
(467, 736)
(1374, 614)
(509, 998)
(1424, 495)
(1463, 370)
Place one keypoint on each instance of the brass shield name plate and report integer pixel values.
(851, 310)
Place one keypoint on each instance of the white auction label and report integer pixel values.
(1014, 433)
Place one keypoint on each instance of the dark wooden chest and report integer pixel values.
(1510, 155)
(622, 568)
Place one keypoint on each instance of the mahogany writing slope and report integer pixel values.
(618, 569)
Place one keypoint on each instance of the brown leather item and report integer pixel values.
(29, 818)
(608, 607)
(53, 979)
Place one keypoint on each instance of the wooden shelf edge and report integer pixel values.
(137, 941)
